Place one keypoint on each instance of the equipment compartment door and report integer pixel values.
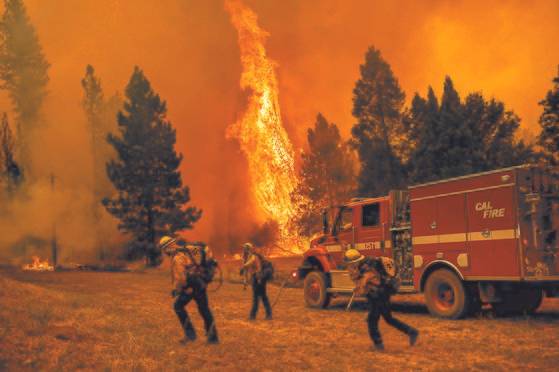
(492, 233)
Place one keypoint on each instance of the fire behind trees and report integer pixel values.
(396, 145)
(327, 175)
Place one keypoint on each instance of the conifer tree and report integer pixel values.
(458, 138)
(151, 198)
(101, 119)
(23, 70)
(549, 123)
(326, 177)
(423, 132)
(10, 171)
(377, 106)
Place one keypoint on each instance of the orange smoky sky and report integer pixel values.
(189, 52)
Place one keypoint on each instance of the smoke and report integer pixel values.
(188, 50)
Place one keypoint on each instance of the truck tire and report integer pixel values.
(445, 295)
(315, 289)
(523, 301)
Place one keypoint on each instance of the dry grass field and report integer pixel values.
(124, 321)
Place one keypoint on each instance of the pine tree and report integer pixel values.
(100, 114)
(151, 198)
(549, 123)
(457, 138)
(326, 177)
(377, 106)
(423, 132)
(10, 170)
(23, 70)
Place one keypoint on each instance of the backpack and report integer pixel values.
(267, 268)
(207, 267)
(390, 275)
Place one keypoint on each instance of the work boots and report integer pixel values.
(413, 337)
(189, 333)
(212, 336)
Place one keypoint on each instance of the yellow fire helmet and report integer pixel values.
(166, 242)
(248, 246)
(352, 256)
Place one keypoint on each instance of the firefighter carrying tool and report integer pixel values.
(191, 272)
(370, 280)
(260, 272)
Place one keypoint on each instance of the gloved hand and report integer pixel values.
(174, 293)
(242, 272)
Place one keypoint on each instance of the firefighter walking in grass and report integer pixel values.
(260, 271)
(192, 269)
(377, 279)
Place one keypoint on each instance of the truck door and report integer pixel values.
(370, 234)
(343, 233)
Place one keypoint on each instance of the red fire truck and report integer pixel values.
(483, 238)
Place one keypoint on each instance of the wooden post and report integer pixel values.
(54, 246)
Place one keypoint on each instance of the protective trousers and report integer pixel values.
(259, 291)
(381, 306)
(201, 297)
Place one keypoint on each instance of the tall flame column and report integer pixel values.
(260, 132)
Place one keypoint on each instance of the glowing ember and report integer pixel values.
(260, 132)
(38, 265)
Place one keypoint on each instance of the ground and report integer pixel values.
(125, 321)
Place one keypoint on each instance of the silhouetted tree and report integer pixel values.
(151, 198)
(457, 138)
(326, 177)
(377, 106)
(549, 123)
(10, 170)
(23, 70)
(422, 125)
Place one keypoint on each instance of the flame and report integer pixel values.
(260, 132)
(38, 265)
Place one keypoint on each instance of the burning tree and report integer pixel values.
(23, 71)
(151, 198)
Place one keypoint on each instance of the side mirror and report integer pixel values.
(325, 223)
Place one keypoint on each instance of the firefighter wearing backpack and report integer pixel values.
(260, 271)
(376, 278)
(192, 266)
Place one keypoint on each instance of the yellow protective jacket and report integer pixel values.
(253, 265)
(366, 278)
(185, 265)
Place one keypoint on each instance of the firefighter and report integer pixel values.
(253, 266)
(369, 281)
(190, 282)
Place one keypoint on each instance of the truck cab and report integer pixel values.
(365, 224)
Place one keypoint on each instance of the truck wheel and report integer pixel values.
(523, 301)
(445, 295)
(315, 289)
